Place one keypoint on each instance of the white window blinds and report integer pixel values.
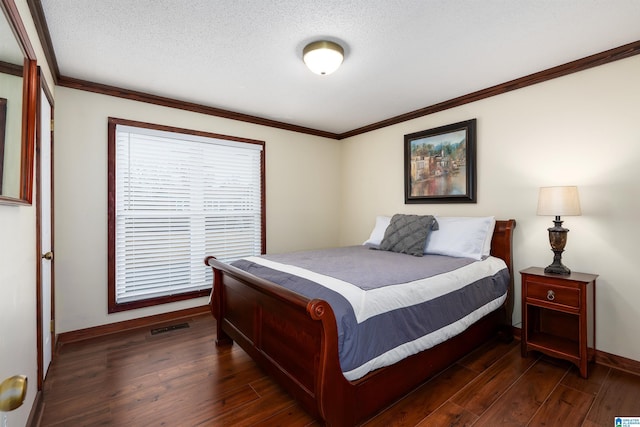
(179, 198)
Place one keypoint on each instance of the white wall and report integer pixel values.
(302, 195)
(18, 333)
(581, 129)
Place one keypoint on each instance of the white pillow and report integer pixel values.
(377, 234)
(465, 237)
(486, 251)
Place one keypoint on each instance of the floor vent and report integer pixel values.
(169, 328)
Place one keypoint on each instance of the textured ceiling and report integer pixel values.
(10, 51)
(400, 55)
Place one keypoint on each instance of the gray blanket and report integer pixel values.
(368, 269)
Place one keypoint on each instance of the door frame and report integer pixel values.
(43, 87)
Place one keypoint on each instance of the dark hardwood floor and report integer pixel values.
(180, 378)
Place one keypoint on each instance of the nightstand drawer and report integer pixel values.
(553, 294)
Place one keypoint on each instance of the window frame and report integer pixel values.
(114, 306)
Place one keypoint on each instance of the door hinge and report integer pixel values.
(52, 328)
(51, 129)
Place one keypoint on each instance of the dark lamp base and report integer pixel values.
(557, 269)
(558, 239)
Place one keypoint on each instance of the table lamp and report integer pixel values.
(558, 201)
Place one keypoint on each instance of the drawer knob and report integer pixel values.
(551, 295)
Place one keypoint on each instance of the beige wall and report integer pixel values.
(302, 192)
(581, 130)
(18, 334)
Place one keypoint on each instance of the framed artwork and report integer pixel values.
(440, 164)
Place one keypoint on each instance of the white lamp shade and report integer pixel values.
(323, 57)
(558, 201)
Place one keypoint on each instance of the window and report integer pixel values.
(175, 197)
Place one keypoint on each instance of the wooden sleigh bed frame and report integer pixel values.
(295, 340)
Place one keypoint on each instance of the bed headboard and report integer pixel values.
(502, 241)
(501, 247)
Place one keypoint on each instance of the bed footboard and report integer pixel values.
(294, 339)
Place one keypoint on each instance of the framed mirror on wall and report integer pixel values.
(18, 92)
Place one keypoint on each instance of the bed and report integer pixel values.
(297, 341)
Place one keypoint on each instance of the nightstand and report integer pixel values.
(558, 315)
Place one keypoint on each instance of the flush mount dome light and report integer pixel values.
(323, 57)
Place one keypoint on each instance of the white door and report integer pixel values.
(44, 190)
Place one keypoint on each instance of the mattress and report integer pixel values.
(387, 305)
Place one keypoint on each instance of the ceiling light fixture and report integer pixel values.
(323, 57)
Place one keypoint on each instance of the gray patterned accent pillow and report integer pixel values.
(407, 234)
